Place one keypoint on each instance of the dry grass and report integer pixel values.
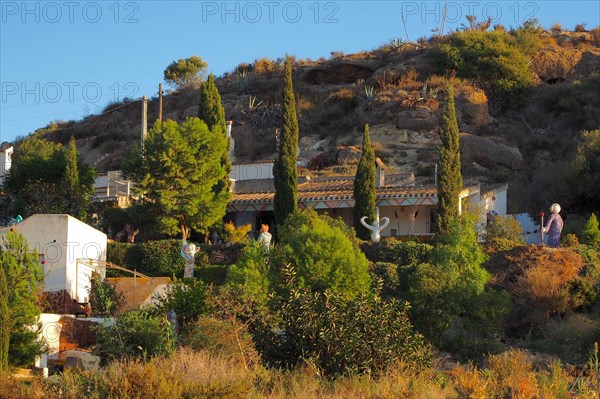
(191, 374)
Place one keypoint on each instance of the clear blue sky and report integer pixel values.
(63, 60)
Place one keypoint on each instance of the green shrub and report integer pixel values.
(443, 289)
(584, 290)
(212, 274)
(104, 298)
(569, 241)
(252, 271)
(24, 280)
(154, 258)
(365, 335)
(187, 297)
(387, 273)
(590, 232)
(503, 233)
(138, 333)
(117, 252)
(324, 252)
(528, 37)
(409, 253)
(577, 101)
(494, 58)
(162, 258)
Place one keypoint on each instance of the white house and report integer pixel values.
(409, 207)
(64, 246)
(6, 151)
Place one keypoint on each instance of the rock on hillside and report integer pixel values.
(487, 152)
(559, 64)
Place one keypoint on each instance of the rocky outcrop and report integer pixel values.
(348, 154)
(417, 119)
(419, 63)
(472, 108)
(340, 72)
(559, 64)
(487, 152)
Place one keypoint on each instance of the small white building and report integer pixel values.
(6, 151)
(65, 246)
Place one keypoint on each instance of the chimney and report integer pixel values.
(380, 173)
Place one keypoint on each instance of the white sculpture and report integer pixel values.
(188, 252)
(375, 228)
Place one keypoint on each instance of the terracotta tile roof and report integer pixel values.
(326, 189)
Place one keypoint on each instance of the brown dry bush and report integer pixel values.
(223, 338)
(265, 66)
(14, 388)
(512, 373)
(470, 383)
(538, 279)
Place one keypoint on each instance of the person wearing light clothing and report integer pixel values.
(553, 226)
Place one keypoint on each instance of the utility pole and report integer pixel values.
(160, 104)
(144, 119)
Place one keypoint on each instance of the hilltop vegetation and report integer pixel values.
(523, 97)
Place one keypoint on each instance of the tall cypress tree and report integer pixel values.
(4, 321)
(211, 109)
(75, 200)
(449, 183)
(285, 169)
(364, 188)
(212, 113)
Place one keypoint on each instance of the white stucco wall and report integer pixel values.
(496, 201)
(47, 235)
(402, 223)
(251, 171)
(5, 162)
(86, 243)
(59, 241)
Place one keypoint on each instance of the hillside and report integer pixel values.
(398, 90)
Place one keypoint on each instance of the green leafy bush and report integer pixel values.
(528, 37)
(104, 298)
(138, 333)
(212, 274)
(252, 271)
(590, 232)
(162, 257)
(24, 280)
(154, 258)
(577, 101)
(365, 335)
(387, 273)
(444, 288)
(324, 252)
(187, 297)
(503, 233)
(494, 58)
(407, 253)
(584, 290)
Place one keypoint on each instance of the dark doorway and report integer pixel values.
(267, 218)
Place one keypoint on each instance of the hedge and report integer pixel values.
(163, 258)
(408, 253)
